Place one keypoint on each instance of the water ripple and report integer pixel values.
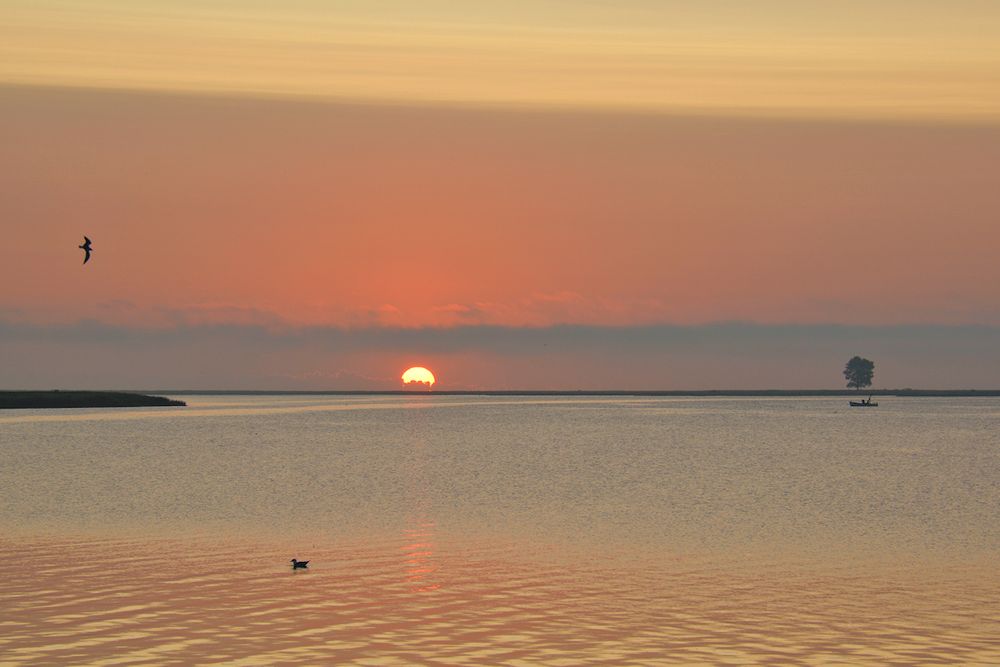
(413, 601)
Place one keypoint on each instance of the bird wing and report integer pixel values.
(87, 258)
(86, 239)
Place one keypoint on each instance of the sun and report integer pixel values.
(418, 375)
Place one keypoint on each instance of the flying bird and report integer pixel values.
(85, 248)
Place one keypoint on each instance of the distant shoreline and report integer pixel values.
(35, 400)
(735, 393)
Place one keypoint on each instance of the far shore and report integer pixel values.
(33, 400)
(126, 399)
(792, 393)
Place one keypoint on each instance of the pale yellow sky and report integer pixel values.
(893, 59)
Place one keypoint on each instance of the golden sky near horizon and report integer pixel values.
(898, 59)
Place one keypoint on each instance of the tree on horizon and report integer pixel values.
(859, 372)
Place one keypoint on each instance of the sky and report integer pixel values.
(540, 195)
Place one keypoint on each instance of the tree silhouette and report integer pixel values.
(859, 373)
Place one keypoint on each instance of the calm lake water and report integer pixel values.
(917, 475)
(622, 530)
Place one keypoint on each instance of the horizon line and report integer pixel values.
(900, 392)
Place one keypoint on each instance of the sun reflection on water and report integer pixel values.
(419, 563)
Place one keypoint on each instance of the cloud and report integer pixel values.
(219, 313)
(722, 355)
(322, 379)
(542, 309)
(457, 309)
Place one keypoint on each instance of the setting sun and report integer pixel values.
(418, 375)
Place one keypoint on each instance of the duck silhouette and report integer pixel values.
(299, 564)
(85, 248)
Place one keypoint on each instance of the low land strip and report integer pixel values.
(80, 399)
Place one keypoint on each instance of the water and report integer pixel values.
(917, 475)
(483, 530)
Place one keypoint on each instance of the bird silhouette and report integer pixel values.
(85, 248)
(299, 564)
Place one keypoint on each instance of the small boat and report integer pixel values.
(863, 403)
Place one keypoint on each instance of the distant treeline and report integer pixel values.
(80, 399)
(928, 393)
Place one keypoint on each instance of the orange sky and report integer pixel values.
(338, 214)
(519, 164)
